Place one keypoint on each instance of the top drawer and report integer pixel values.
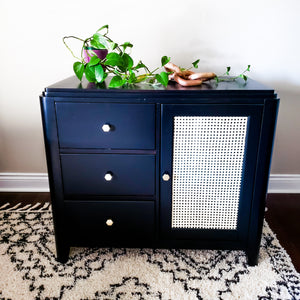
(128, 126)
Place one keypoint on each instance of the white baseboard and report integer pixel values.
(24, 182)
(284, 183)
(38, 182)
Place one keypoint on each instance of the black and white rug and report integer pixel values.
(28, 269)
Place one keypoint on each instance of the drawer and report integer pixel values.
(104, 220)
(127, 126)
(108, 174)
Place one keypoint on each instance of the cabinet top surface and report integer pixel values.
(72, 86)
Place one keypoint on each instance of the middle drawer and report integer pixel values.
(108, 174)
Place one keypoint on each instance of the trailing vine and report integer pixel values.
(226, 76)
(117, 62)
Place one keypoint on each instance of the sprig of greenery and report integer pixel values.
(117, 62)
(230, 78)
(195, 63)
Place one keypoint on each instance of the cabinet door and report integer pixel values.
(208, 161)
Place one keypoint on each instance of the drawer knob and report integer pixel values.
(109, 222)
(106, 128)
(108, 176)
(166, 177)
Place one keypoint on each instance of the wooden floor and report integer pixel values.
(282, 215)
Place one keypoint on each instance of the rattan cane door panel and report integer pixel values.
(207, 150)
(208, 156)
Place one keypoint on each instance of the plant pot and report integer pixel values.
(89, 51)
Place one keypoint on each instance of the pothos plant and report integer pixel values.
(117, 62)
(226, 76)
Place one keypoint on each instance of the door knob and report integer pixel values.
(166, 177)
(106, 128)
(109, 222)
(108, 176)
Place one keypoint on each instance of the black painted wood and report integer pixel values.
(131, 220)
(72, 87)
(84, 174)
(80, 125)
(254, 114)
(78, 155)
(263, 164)
(54, 174)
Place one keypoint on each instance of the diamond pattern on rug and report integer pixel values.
(29, 269)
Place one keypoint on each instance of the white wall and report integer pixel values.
(262, 33)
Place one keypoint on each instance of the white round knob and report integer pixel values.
(106, 128)
(108, 176)
(109, 222)
(166, 177)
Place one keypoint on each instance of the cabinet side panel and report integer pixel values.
(262, 177)
(54, 173)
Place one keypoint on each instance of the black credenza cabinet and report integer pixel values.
(148, 166)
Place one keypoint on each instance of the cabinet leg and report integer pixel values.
(252, 257)
(62, 254)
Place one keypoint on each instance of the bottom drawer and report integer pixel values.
(95, 222)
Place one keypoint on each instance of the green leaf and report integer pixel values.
(195, 63)
(114, 59)
(113, 45)
(140, 65)
(165, 78)
(245, 77)
(127, 61)
(94, 61)
(102, 40)
(99, 73)
(97, 45)
(162, 78)
(90, 73)
(126, 45)
(105, 76)
(132, 78)
(103, 27)
(78, 68)
(227, 70)
(248, 69)
(116, 81)
(165, 60)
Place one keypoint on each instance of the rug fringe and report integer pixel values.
(5, 205)
(15, 207)
(23, 207)
(26, 207)
(35, 206)
(45, 207)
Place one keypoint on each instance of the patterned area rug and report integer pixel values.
(29, 269)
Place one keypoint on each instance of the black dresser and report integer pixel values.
(148, 166)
